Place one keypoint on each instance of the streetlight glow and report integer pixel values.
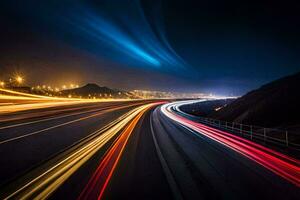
(19, 79)
(2, 83)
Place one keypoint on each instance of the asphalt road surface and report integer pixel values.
(133, 150)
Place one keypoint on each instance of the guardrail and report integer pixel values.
(267, 135)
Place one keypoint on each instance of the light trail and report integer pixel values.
(31, 101)
(280, 164)
(31, 106)
(11, 94)
(43, 185)
(58, 117)
(44, 114)
(100, 179)
(21, 95)
(62, 124)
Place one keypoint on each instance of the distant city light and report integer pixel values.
(2, 84)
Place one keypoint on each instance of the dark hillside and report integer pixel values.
(276, 104)
(93, 90)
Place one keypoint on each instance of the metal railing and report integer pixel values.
(267, 135)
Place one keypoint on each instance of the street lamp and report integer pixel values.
(19, 80)
(2, 84)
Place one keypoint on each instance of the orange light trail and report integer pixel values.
(43, 182)
(105, 170)
(113, 108)
(25, 101)
(91, 109)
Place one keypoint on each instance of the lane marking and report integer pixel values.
(59, 125)
(281, 165)
(59, 117)
(46, 183)
(48, 119)
(170, 178)
(101, 177)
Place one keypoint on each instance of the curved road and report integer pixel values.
(134, 150)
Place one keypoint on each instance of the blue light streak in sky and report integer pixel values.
(128, 32)
(111, 35)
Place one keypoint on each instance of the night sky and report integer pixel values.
(223, 47)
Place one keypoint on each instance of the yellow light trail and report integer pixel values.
(59, 125)
(56, 111)
(48, 181)
(5, 109)
(104, 172)
(21, 95)
(30, 101)
(92, 109)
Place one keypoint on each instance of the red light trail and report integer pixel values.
(105, 170)
(280, 164)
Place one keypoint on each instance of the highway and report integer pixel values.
(132, 150)
(35, 140)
